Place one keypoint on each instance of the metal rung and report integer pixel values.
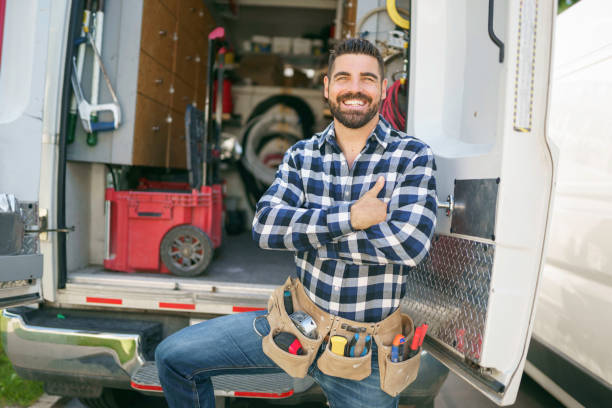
(276, 385)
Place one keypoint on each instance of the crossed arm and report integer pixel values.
(401, 235)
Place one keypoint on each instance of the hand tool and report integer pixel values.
(395, 348)
(288, 302)
(92, 137)
(352, 344)
(414, 345)
(338, 344)
(367, 346)
(305, 324)
(289, 343)
(216, 39)
(72, 115)
(424, 326)
(85, 108)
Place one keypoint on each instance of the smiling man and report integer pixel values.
(357, 205)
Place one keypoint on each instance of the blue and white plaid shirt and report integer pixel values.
(357, 274)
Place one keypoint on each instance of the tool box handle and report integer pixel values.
(217, 34)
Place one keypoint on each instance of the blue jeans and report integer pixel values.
(228, 345)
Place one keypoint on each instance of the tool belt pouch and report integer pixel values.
(351, 368)
(394, 377)
(294, 365)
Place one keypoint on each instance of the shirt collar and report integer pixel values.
(380, 133)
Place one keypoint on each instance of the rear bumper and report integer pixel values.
(59, 355)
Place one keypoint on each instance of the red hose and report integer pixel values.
(391, 110)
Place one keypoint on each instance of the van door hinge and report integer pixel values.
(43, 229)
(449, 205)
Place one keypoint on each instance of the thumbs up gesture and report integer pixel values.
(369, 210)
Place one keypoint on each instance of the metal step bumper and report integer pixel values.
(274, 386)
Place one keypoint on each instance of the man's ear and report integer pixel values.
(326, 87)
(384, 89)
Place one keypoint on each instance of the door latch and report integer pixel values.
(43, 229)
(449, 204)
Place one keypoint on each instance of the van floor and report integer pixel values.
(238, 260)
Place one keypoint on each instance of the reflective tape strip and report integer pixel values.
(108, 301)
(240, 309)
(146, 387)
(182, 306)
(263, 394)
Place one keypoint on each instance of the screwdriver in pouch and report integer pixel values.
(288, 302)
(352, 344)
(367, 346)
(414, 345)
(397, 354)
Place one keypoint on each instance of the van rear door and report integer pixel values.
(31, 67)
(479, 97)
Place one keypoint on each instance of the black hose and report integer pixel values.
(254, 189)
(304, 112)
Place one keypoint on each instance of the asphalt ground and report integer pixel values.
(455, 393)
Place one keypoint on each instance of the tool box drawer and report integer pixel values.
(183, 95)
(193, 16)
(172, 6)
(154, 80)
(150, 132)
(158, 29)
(186, 61)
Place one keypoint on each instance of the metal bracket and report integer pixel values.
(449, 205)
(42, 229)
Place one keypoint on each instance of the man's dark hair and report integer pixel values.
(356, 46)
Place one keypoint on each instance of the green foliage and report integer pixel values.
(565, 4)
(13, 389)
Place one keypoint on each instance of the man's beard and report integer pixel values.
(353, 119)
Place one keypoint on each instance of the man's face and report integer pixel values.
(354, 90)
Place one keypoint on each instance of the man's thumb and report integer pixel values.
(380, 183)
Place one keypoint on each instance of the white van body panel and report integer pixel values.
(467, 106)
(574, 315)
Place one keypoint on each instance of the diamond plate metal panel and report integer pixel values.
(450, 291)
(29, 215)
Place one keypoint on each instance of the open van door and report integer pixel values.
(479, 85)
(31, 66)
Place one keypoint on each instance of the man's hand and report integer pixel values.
(369, 210)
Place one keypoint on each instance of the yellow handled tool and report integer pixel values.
(338, 344)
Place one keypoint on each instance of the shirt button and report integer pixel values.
(347, 194)
(336, 288)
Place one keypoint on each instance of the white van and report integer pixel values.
(478, 83)
(569, 353)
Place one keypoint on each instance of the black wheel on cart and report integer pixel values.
(186, 250)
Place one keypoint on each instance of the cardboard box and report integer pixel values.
(302, 46)
(281, 45)
(262, 69)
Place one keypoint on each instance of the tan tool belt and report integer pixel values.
(394, 377)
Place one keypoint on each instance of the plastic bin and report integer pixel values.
(166, 232)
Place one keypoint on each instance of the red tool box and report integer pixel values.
(164, 231)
